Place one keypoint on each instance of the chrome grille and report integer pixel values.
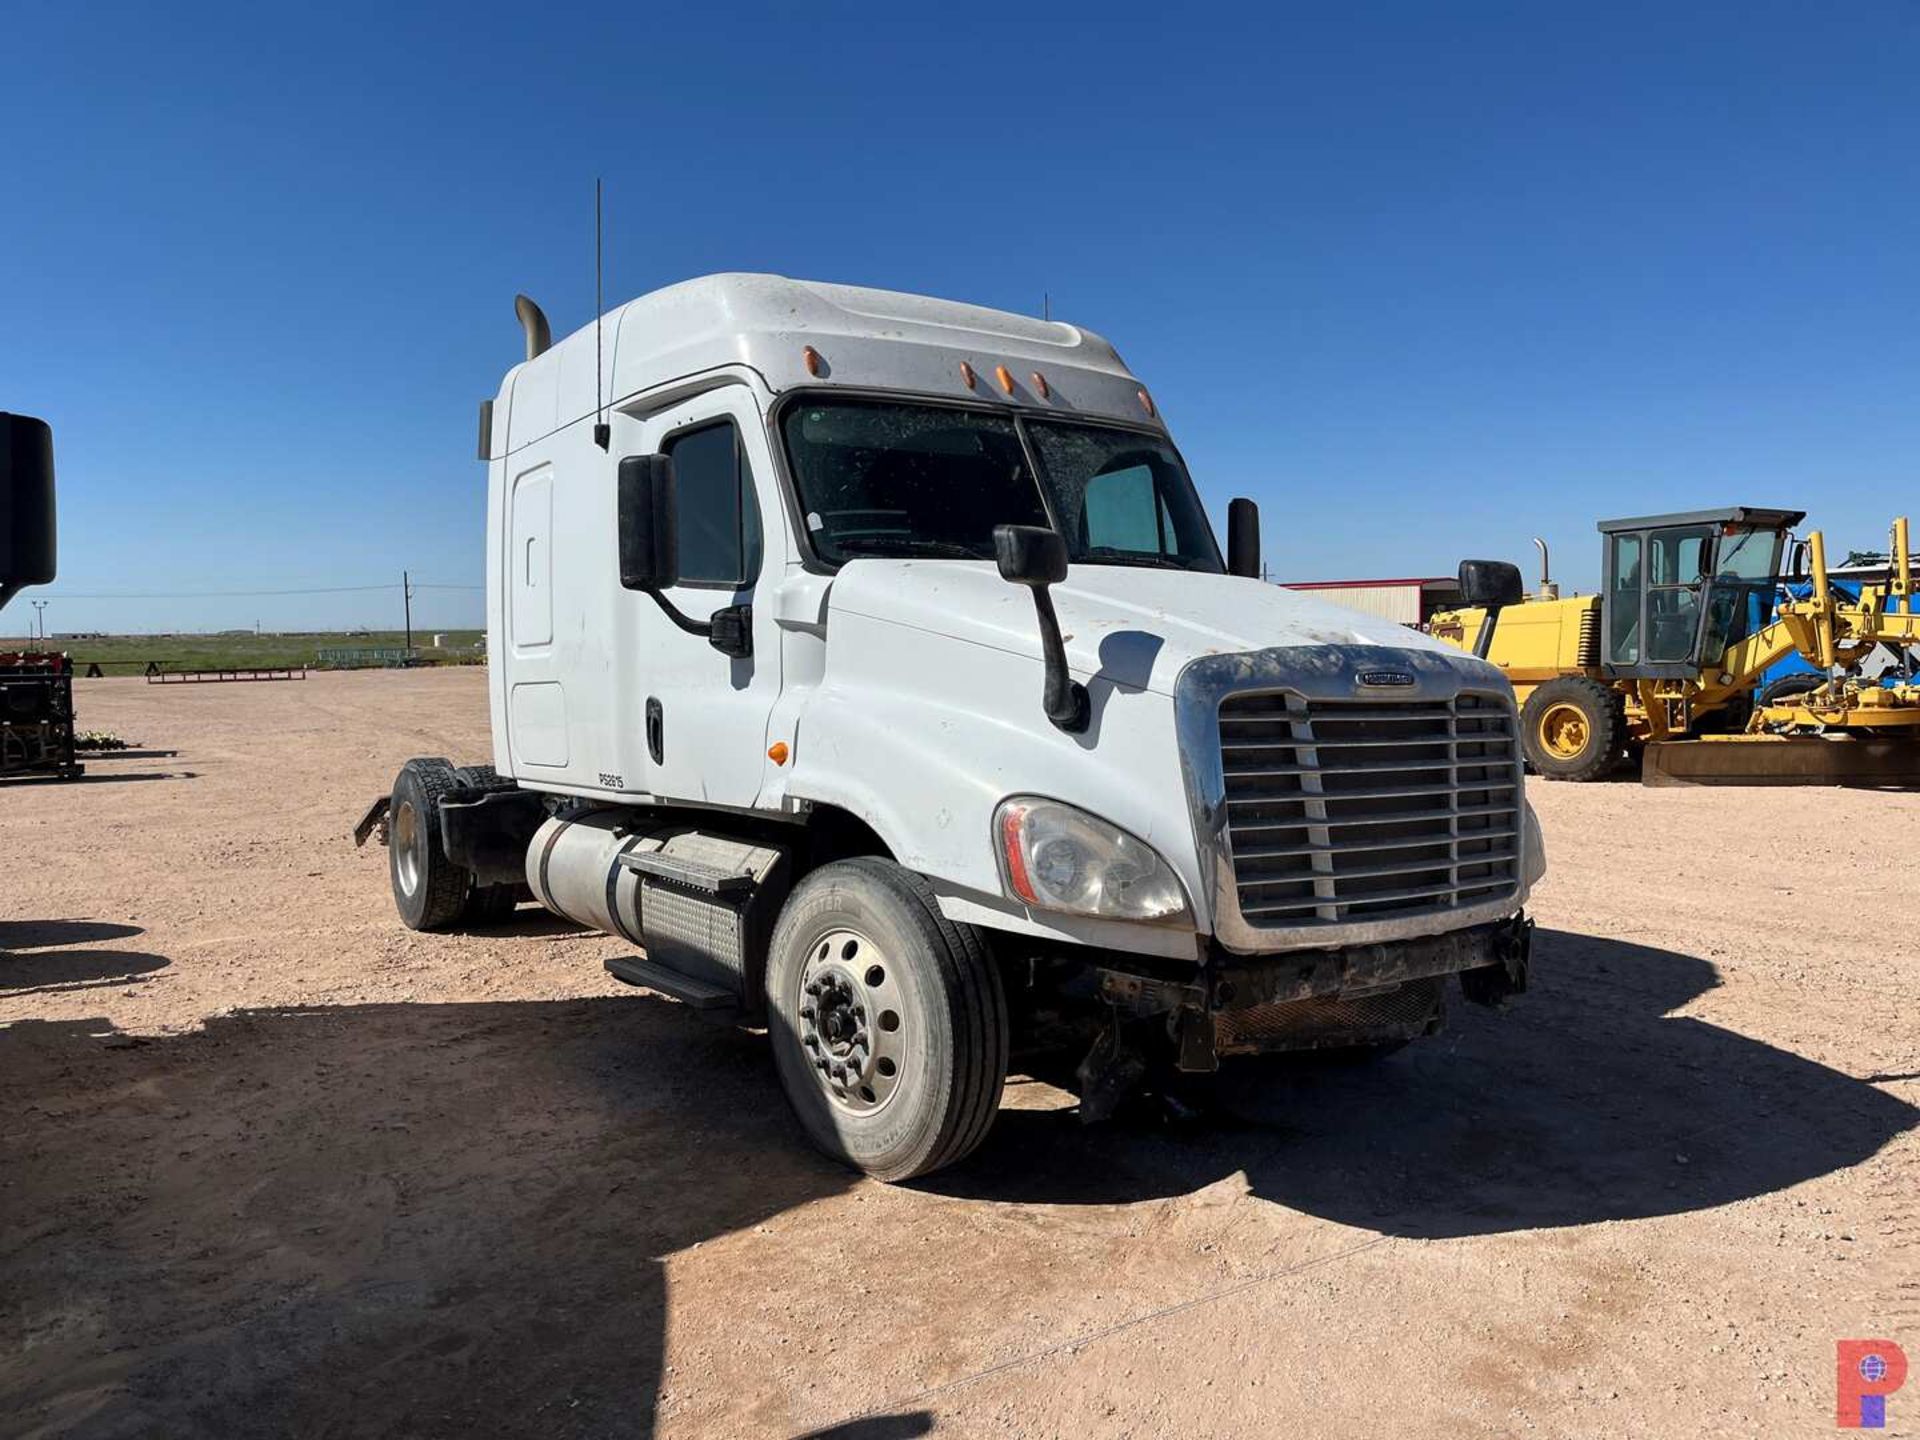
(1345, 810)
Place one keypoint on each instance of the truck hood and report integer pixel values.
(1137, 627)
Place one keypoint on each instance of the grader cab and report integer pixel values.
(1665, 660)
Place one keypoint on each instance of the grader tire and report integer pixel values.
(1573, 728)
(1788, 686)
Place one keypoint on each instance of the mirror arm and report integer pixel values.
(1066, 700)
(729, 629)
(702, 628)
(1483, 642)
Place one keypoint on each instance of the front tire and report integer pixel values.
(1787, 687)
(888, 1020)
(1573, 728)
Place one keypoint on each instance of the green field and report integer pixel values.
(129, 654)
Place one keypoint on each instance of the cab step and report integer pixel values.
(697, 994)
(690, 874)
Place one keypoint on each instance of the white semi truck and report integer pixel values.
(867, 661)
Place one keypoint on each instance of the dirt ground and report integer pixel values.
(272, 1165)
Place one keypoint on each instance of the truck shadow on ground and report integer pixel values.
(1586, 1102)
(399, 1219)
(451, 1219)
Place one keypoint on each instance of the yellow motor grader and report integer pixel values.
(1667, 657)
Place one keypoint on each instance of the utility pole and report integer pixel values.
(40, 612)
(406, 591)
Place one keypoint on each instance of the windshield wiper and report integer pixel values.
(907, 545)
(1133, 557)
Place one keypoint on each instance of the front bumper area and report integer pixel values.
(1356, 995)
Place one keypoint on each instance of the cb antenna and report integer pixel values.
(602, 431)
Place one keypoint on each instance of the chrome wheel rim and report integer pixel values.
(853, 1033)
(409, 841)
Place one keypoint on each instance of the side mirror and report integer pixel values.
(1030, 554)
(27, 537)
(647, 517)
(1036, 557)
(648, 523)
(1243, 538)
(1491, 584)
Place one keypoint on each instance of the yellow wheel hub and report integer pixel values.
(1564, 732)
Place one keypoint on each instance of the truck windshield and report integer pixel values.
(892, 478)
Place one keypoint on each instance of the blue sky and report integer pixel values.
(1425, 280)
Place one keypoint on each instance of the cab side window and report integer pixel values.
(719, 516)
(1623, 606)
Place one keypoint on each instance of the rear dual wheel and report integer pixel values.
(431, 891)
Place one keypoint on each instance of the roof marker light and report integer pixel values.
(1005, 377)
(966, 374)
(812, 359)
(1040, 384)
(1146, 402)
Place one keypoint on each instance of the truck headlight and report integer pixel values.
(1055, 857)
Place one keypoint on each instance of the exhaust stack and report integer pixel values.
(1548, 590)
(533, 321)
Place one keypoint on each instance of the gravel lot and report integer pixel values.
(272, 1165)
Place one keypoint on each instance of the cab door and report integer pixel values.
(704, 714)
(1655, 618)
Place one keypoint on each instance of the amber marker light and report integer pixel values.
(1010, 822)
(966, 374)
(812, 359)
(1040, 384)
(1146, 402)
(1005, 377)
(778, 752)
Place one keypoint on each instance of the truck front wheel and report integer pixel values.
(888, 1020)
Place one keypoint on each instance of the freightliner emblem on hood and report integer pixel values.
(1382, 679)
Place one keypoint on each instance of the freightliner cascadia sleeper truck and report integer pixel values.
(867, 661)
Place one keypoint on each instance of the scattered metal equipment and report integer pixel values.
(226, 675)
(367, 657)
(36, 687)
(1667, 658)
(36, 716)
